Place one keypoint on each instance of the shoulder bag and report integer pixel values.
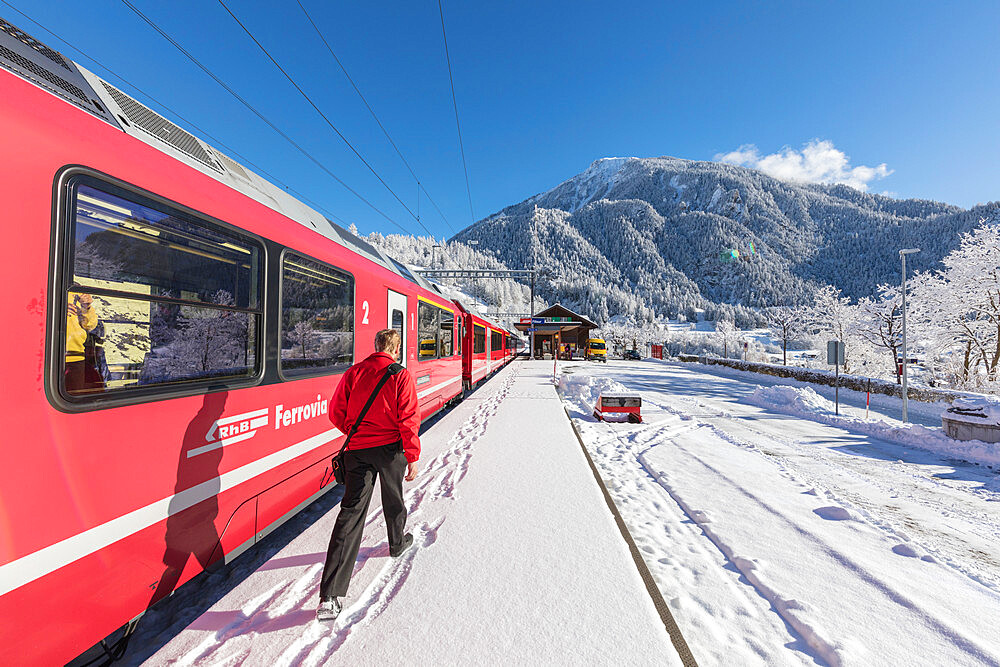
(338, 460)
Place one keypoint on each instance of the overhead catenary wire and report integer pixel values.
(322, 115)
(257, 113)
(178, 115)
(343, 69)
(454, 101)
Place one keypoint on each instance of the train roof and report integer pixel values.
(30, 59)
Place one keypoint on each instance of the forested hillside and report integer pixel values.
(653, 237)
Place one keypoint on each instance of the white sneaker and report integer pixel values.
(329, 609)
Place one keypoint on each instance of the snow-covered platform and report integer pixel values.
(518, 560)
(783, 534)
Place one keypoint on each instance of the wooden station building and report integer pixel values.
(560, 330)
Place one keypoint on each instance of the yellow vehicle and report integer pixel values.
(596, 350)
(428, 348)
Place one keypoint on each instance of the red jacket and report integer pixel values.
(394, 415)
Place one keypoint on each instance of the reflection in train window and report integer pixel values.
(154, 296)
(478, 339)
(427, 331)
(317, 317)
(397, 322)
(447, 331)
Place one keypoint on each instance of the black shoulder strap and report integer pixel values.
(391, 369)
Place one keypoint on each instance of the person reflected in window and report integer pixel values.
(81, 320)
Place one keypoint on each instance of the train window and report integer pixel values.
(447, 332)
(317, 317)
(427, 330)
(397, 324)
(495, 342)
(478, 339)
(154, 296)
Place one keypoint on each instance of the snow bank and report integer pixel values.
(583, 390)
(824, 377)
(804, 402)
(792, 399)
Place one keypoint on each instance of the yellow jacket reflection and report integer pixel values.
(81, 318)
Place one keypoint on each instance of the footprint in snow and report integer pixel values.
(833, 513)
(905, 550)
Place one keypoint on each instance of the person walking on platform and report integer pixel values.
(376, 406)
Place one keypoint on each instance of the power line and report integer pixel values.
(257, 113)
(455, 102)
(176, 114)
(372, 112)
(323, 115)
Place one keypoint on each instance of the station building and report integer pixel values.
(560, 330)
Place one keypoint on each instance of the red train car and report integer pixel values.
(497, 348)
(438, 368)
(175, 327)
(476, 361)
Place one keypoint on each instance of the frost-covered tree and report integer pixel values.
(879, 324)
(959, 306)
(831, 318)
(202, 342)
(727, 335)
(786, 325)
(302, 335)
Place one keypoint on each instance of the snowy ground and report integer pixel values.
(517, 561)
(780, 539)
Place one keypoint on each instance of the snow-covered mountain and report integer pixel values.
(646, 237)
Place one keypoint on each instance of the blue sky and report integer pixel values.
(546, 88)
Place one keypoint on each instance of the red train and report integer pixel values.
(174, 328)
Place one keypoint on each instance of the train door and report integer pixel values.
(397, 320)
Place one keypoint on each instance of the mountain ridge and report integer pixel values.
(653, 237)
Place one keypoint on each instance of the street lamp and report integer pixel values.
(902, 256)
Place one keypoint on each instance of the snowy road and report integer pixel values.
(780, 540)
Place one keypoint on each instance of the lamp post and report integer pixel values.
(902, 256)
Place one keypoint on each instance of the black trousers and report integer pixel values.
(361, 467)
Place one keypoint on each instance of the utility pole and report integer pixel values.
(902, 256)
(475, 281)
(531, 309)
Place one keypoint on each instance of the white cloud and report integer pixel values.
(817, 162)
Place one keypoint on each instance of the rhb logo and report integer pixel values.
(229, 430)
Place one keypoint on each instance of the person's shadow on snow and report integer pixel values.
(191, 528)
